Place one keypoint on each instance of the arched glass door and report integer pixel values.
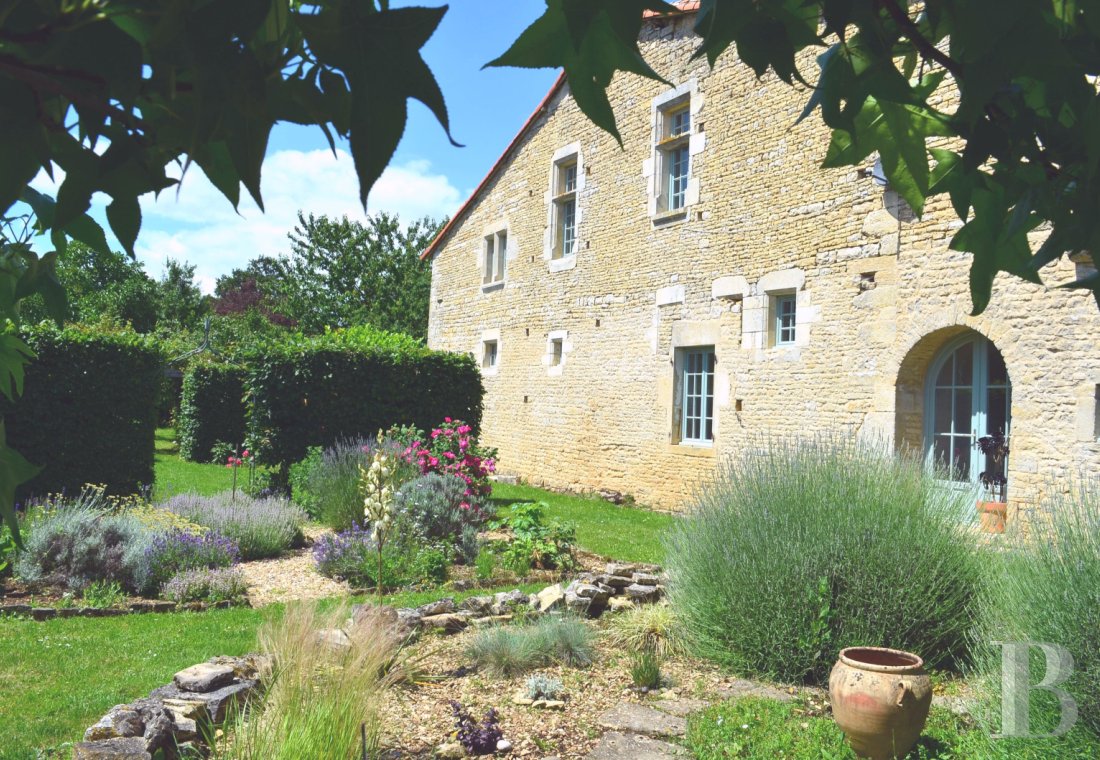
(968, 395)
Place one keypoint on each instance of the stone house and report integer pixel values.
(641, 312)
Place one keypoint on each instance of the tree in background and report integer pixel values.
(254, 288)
(340, 273)
(180, 303)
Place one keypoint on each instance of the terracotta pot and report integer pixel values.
(880, 700)
(992, 516)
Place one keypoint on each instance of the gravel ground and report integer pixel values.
(291, 576)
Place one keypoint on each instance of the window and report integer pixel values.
(555, 352)
(674, 132)
(489, 357)
(496, 252)
(696, 391)
(785, 309)
(565, 208)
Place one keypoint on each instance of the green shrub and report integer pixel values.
(102, 594)
(485, 563)
(76, 544)
(808, 546)
(211, 410)
(350, 555)
(649, 628)
(431, 506)
(543, 687)
(314, 391)
(536, 543)
(1048, 590)
(88, 412)
(645, 670)
(509, 650)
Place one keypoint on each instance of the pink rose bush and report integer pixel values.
(453, 449)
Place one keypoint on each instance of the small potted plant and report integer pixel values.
(992, 514)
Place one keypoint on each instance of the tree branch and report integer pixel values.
(922, 43)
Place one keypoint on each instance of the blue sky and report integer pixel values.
(427, 176)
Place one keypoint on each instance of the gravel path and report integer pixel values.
(292, 576)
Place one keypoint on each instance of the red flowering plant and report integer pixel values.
(234, 461)
(452, 448)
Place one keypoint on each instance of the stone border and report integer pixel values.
(137, 608)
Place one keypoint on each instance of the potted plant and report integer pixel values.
(992, 514)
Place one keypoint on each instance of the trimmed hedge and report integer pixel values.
(313, 392)
(211, 409)
(88, 412)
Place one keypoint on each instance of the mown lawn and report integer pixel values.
(623, 533)
(173, 475)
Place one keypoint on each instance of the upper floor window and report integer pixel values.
(490, 354)
(674, 156)
(496, 252)
(785, 311)
(565, 207)
(696, 394)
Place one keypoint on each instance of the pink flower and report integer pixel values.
(229, 466)
(435, 434)
(464, 429)
(448, 454)
(446, 419)
(245, 454)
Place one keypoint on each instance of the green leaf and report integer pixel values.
(590, 40)
(81, 227)
(14, 469)
(14, 355)
(124, 215)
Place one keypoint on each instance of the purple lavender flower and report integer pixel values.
(177, 550)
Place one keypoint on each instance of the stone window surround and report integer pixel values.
(688, 335)
(758, 314)
(555, 370)
(563, 155)
(652, 167)
(510, 252)
(488, 336)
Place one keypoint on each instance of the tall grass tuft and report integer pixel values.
(649, 628)
(320, 700)
(807, 546)
(1046, 588)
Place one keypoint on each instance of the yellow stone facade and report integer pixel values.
(878, 294)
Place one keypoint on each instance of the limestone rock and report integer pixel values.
(449, 622)
(520, 698)
(619, 603)
(408, 619)
(645, 579)
(450, 751)
(550, 597)
(639, 719)
(681, 706)
(442, 607)
(492, 620)
(119, 723)
(577, 604)
(619, 746)
(614, 581)
(335, 638)
(621, 569)
(218, 703)
(504, 746)
(640, 593)
(205, 677)
(479, 604)
(132, 748)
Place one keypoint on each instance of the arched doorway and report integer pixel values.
(967, 395)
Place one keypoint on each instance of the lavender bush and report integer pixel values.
(260, 527)
(477, 737)
(171, 553)
(206, 585)
(350, 555)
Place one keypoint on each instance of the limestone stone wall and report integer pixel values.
(878, 292)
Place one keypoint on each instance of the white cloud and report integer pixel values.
(198, 224)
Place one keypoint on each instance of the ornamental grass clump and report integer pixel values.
(510, 650)
(649, 628)
(260, 527)
(176, 551)
(319, 700)
(806, 546)
(1046, 588)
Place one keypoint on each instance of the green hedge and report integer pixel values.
(211, 409)
(312, 392)
(89, 409)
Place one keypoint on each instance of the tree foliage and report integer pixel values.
(342, 273)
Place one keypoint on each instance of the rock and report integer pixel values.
(186, 709)
(550, 597)
(112, 749)
(577, 604)
(335, 638)
(451, 750)
(442, 607)
(184, 729)
(619, 603)
(740, 687)
(618, 746)
(492, 620)
(153, 606)
(639, 719)
(645, 579)
(614, 581)
(504, 745)
(513, 597)
(408, 619)
(521, 698)
(551, 704)
(15, 609)
(249, 666)
(43, 613)
(640, 593)
(450, 623)
(621, 569)
(615, 497)
(119, 723)
(218, 703)
(588, 591)
(682, 707)
(206, 676)
(479, 604)
(158, 725)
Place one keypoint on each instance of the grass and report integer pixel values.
(173, 475)
(762, 729)
(509, 650)
(628, 534)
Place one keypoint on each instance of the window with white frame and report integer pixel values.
(673, 154)
(695, 389)
(496, 252)
(490, 354)
(784, 313)
(556, 347)
(565, 207)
